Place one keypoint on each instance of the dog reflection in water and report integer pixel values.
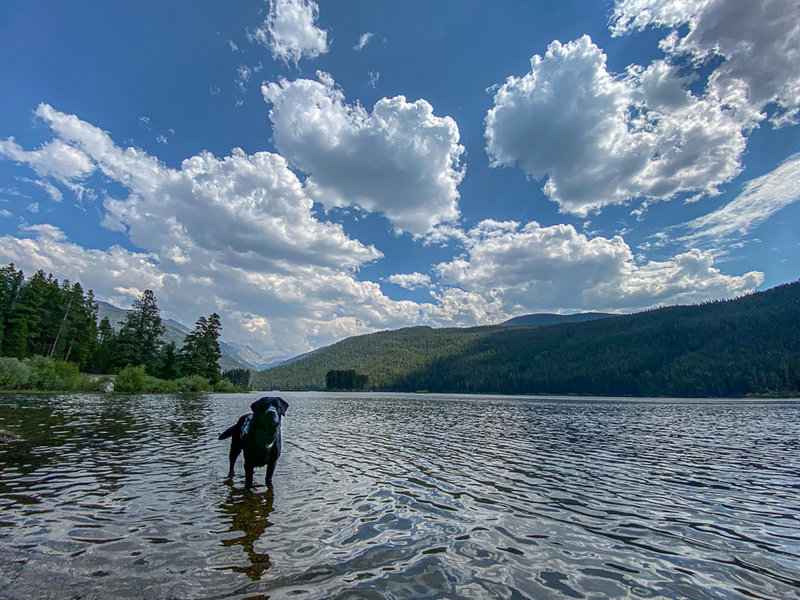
(258, 436)
(249, 516)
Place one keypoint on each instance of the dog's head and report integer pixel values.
(268, 411)
(270, 404)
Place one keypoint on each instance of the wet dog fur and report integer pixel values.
(258, 436)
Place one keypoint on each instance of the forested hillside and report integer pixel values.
(386, 357)
(537, 319)
(724, 348)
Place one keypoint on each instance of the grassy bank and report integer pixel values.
(43, 374)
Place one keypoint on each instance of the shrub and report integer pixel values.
(167, 386)
(14, 374)
(67, 376)
(225, 385)
(131, 379)
(43, 372)
(195, 383)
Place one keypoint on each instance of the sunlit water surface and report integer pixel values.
(402, 496)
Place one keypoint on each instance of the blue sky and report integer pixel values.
(312, 171)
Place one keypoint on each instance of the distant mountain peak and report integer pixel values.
(539, 319)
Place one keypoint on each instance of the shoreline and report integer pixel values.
(34, 392)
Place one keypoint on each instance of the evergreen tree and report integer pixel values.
(212, 334)
(39, 316)
(168, 365)
(23, 332)
(105, 349)
(80, 327)
(76, 335)
(191, 353)
(200, 352)
(138, 340)
(11, 282)
(55, 298)
(238, 377)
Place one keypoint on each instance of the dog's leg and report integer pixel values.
(272, 458)
(272, 461)
(236, 448)
(248, 474)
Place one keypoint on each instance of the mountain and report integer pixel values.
(538, 319)
(748, 345)
(385, 356)
(288, 361)
(248, 355)
(115, 315)
(175, 325)
(176, 332)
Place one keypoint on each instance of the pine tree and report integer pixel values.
(138, 340)
(11, 282)
(200, 352)
(55, 298)
(168, 362)
(238, 377)
(23, 328)
(78, 333)
(102, 359)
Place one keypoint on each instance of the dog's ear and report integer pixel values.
(282, 405)
(261, 404)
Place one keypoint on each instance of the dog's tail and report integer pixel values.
(228, 432)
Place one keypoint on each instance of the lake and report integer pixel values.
(402, 496)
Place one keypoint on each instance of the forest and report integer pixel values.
(347, 380)
(50, 339)
(731, 348)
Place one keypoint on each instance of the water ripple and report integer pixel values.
(403, 496)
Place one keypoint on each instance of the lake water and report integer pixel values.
(402, 496)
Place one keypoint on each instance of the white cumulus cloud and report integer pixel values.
(400, 160)
(238, 235)
(531, 268)
(600, 138)
(235, 235)
(48, 249)
(53, 159)
(250, 210)
(290, 31)
(363, 40)
(410, 281)
(757, 44)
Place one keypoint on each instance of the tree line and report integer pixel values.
(42, 317)
(725, 348)
(345, 380)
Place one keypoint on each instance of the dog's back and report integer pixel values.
(236, 428)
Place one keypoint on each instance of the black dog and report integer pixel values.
(258, 434)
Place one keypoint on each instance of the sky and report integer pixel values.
(316, 170)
